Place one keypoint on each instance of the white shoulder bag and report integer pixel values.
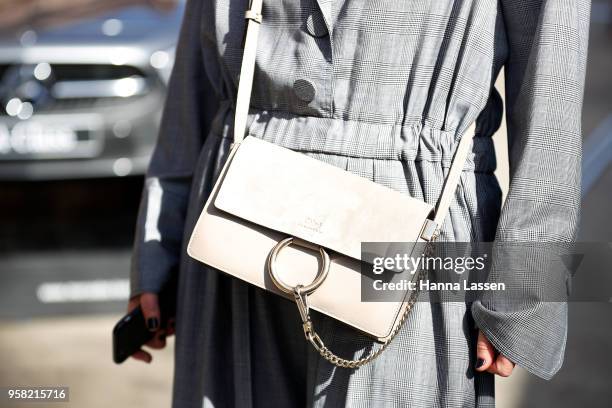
(272, 208)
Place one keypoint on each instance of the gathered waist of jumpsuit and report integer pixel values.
(360, 139)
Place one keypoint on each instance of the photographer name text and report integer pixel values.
(405, 284)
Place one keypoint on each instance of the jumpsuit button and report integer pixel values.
(304, 90)
(315, 25)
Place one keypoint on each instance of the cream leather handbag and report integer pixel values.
(272, 209)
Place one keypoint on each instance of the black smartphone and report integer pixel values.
(131, 333)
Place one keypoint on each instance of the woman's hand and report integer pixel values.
(488, 359)
(150, 309)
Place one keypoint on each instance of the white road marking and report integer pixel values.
(83, 291)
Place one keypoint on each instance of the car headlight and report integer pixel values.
(162, 61)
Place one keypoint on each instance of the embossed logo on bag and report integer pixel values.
(311, 224)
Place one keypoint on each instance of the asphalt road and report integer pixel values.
(66, 246)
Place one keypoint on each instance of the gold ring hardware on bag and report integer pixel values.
(305, 289)
(300, 292)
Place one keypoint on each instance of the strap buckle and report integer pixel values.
(250, 15)
(253, 15)
(430, 230)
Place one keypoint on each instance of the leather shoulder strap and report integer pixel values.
(254, 18)
(452, 179)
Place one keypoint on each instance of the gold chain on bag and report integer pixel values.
(301, 300)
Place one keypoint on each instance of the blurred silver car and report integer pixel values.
(82, 85)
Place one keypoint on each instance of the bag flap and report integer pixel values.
(303, 197)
